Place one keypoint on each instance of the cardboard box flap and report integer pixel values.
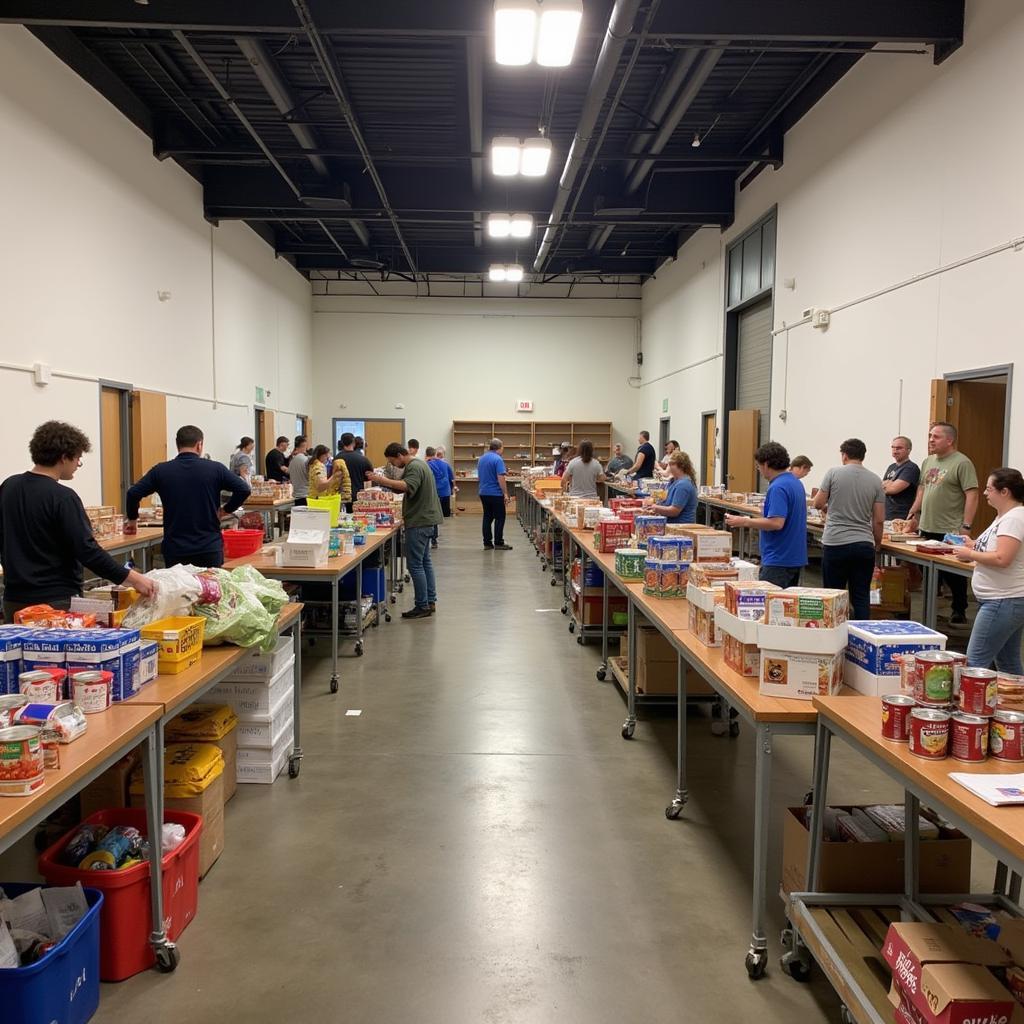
(927, 943)
(942, 984)
(309, 525)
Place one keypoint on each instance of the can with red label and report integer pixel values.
(929, 733)
(968, 737)
(959, 661)
(92, 690)
(896, 708)
(40, 686)
(979, 691)
(934, 680)
(1006, 735)
(908, 672)
(21, 760)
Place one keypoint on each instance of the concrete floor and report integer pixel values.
(481, 845)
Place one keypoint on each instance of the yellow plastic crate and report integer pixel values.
(179, 641)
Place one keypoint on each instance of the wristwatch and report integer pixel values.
(965, 526)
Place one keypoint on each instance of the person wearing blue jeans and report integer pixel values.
(998, 580)
(444, 478)
(493, 496)
(421, 513)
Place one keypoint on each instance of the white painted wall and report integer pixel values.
(450, 359)
(901, 169)
(94, 226)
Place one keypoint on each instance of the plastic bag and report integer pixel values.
(177, 589)
(239, 617)
(172, 836)
(271, 593)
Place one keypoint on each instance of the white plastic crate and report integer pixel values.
(254, 700)
(284, 742)
(264, 772)
(264, 734)
(264, 666)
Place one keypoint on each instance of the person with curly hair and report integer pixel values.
(45, 535)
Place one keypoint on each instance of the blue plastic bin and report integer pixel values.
(373, 585)
(63, 987)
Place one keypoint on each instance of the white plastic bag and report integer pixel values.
(177, 589)
(172, 836)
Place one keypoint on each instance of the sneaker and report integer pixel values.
(958, 619)
(502, 547)
(416, 613)
(433, 607)
(433, 543)
(488, 547)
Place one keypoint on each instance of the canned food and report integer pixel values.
(908, 672)
(979, 691)
(9, 703)
(40, 686)
(21, 760)
(896, 708)
(968, 737)
(50, 743)
(1006, 735)
(934, 677)
(959, 662)
(929, 733)
(91, 691)
(65, 719)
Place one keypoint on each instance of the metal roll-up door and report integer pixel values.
(754, 363)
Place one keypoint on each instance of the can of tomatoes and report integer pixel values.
(896, 709)
(21, 760)
(92, 690)
(968, 737)
(934, 678)
(979, 691)
(1006, 735)
(929, 733)
(41, 686)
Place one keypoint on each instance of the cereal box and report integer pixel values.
(813, 607)
(746, 599)
(741, 657)
(801, 676)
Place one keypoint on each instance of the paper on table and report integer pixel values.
(997, 790)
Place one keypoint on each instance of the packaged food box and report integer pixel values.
(149, 662)
(710, 574)
(42, 647)
(110, 650)
(709, 545)
(746, 599)
(707, 598)
(741, 657)
(800, 676)
(874, 645)
(813, 607)
(610, 534)
(702, 625)
(10, 657)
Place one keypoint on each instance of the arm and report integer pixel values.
(143, 488)
(770, 523)
(971, 505)
(820, 500)
(566, 479)
(237, 486)
(636, 465)
(503, 485)
(877, 522)
(1006, 551)
(383, 481)
(664, 510)
(895, 486)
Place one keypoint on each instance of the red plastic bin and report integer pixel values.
(238, 543)
(126, 917)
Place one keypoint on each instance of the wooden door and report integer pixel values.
(264, 440)
(112, 448)
(709, 431)
(978, 411)
(149, 431)
(379, 434)
(938, 405)
(744, 432)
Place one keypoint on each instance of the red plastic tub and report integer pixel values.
(125, 917)
(238, 543)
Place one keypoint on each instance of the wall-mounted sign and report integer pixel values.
(664, 405)
(524, 405)
(261, 397)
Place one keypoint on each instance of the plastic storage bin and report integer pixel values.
(63, 987)
(179, 639)
(125, 916)
(373, 585)
(238, 543)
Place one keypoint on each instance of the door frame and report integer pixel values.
(368, 419)
(704, 440)
(125, 402)
(1006, 370)
(664, 425)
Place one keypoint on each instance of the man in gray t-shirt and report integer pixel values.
(298, 470)
(855, 501)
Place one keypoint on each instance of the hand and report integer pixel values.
(507, 499)
(131, 527)
(734, 521)
(143, 584)
(910, 525)
(962, 553)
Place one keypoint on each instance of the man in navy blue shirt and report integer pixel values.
(646, 457)
(784, 523)
(493, 496)
(189, 488)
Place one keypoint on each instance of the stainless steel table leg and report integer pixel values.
(602, 669)
(757, 955)
(359, 609)
(931, 595)
(335, 584)
(295, 759)
(167, 955)
(675, 808)
(629, 726)
(822, 750)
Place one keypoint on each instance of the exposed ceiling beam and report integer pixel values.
(472, 261)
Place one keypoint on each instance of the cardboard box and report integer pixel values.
(656, 662)
(800, 676)
(589, 609)
(872, 867)
(110, 790)
(739, 629)
(709, 545)
(308, 538)
(874, 645)
(807, 607)
(895, 585)
(746, 598)
(741, 657)
(706, 598)
(702, 625)
(210, 805)
(610, 534)
(802, 641)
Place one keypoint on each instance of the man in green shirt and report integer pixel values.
(421, 512)
(947, 499)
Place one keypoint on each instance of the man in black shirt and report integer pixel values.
(45, 536)
(358, 464)
(646, 456)
(189, 488)
(900, 480)
(277, 461)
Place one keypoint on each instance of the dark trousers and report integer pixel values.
(957, 584)
(850, 566)
(494, 515)
(12, 607)
(446, 506)
(212, 559)
(781, 575)
(300, 502)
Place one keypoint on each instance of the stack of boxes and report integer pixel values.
(873, 652)
(737, 620)
(705, 592)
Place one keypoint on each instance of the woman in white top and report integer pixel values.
(998, 581)
(241, 461)
(583, 473)
(661, 467)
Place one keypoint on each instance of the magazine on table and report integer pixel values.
(997, 790)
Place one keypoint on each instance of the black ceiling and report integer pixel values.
(353, 135)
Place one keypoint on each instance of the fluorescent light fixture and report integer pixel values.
(514, 273)
(505, 156)
(536, 155)
(696, 140)
(521, 225)
(498, 272)
(515, 31)
(499, 225)
(559, 29)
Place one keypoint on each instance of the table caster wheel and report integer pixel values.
(167, 958)
(756, 964)
(401, 588)
(407, 578)
(734, 728)
(628, 729)
(387, 616)
(572, 627)
(719, 728)
(293, 767)
(673, 811)
(394, 599)
(601, 673)
(797, 969)
(334, 685)
(359, 648)
(554, 582)
(579, 639)
(565, 609)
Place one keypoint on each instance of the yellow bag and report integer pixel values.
(202, 722)
(332, 503)
(188, 769)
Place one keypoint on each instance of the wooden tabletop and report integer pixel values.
(146, 537)
(335, 568)
(268, 502)
(861, 717)
(108, 732)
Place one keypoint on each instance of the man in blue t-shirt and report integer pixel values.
(784, 523)
(646, 457)
(493, 495)
(444, 477)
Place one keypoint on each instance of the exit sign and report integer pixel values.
(261, 396)
(524, 405)
(664, 405)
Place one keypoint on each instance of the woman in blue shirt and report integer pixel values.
(681, 504)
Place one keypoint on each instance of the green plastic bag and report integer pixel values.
(247, 612)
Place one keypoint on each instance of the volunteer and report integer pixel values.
(618, 461)
(681, 504)
(561, 460)
(413, 447)
(45, 535)
(998, 580)
(853, 526)
(583, 473)
(784, 523)
(241, 460)
(190, 489)
(298, 470)
(357, 464)
(444, 480)
(493, 490)
(661, 469)
(320, 484)
(643, 465)
(801, 466)
(421, 512)
(277, 462)
(900, 480)
(946, 502)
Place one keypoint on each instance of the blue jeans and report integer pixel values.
(421, 568)
(996, 636)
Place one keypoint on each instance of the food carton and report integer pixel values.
(308, 538)
(707, 598)
(741, 657)
(111, 650)
(800, 676)
(746, 599)
(873, 645)
(702, 625)
(610, 534)
(10, 657)
(813, 607)
(709, 545)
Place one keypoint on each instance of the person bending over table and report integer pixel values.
(681, 503)
(998, 580)
(45, 535)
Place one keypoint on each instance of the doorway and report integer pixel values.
(263, 428)
(977, 403)
(708, 447)
(663, 435)
(378, 434)
(115, 443)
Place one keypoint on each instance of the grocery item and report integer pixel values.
(976, 920)
(934, 678)
(120, 846)
(64, 719)
(815, 608)
(929, 733)
(1011, 691)
(709, 545)
(10, 658)
(82, 841)
(9, 703)
(648, 526)
(21, 760)
(1006, 735)
(610, 534)
(858, 827)
(801, 676)
(893, 819)
(979, 691)
(38, 685)
(702, 625)
(741, 657)
(92, 691)
(663, 548)
(968, 737)
(629, 563)
(896, 709)
(908, 671)
(877, 645)
(746, 599)
(107, 650)
(710, 573)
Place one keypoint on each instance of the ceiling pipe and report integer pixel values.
(277, 89)
(475, 96)
(620, 24)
